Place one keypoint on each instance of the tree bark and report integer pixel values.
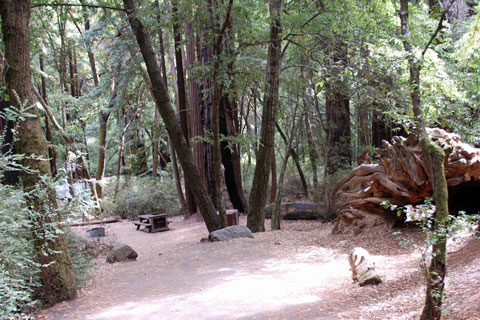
(313, 156)
(52, 155)
(273, 187)
(194, 103)
(275, 220)
(103, 115)
(57, 275)
(160, 95)
(338, 119)
(176, 172)
(182, 94)
(258, 194)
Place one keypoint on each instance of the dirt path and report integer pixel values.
(299, 272)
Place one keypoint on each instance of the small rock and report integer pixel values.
(121, 252)
(96, 232)
(229, 233)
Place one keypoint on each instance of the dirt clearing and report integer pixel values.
(299, 272)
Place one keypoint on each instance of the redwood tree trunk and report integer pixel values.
(231, 159)
(258, 194)
(57, 275)
(160, 95)
(338, 130)
(194, 103)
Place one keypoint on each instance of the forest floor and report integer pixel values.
(299, 272)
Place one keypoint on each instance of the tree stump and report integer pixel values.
(363, 268)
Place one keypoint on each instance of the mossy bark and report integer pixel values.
(57, 275)
(435, 157)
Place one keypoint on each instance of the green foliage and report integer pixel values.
(455, 228)
(82, 252)
(140, 195)
(18, 267)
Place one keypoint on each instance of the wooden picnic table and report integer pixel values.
(152, 222)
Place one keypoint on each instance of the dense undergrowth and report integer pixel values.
(141, 195)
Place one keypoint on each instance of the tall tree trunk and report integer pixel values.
(218, 84)
(313, 156)
(121, 152)
(194, 103)
(275, 221)
(102, 147)
(273, 187)
(52, 155)
(435, 158)
(102, 116)
(176, 172)
(231, 154)
(57, 275)
(258, 194)
(338, 119)
(182, 94)
(160, 95)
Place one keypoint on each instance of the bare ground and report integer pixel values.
(299, 272)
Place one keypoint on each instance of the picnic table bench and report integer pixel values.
(152, 222)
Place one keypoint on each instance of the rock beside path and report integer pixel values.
(121, 252)
(229, 233)
(96, 232)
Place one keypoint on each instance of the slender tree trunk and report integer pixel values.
(435, 158)
(57, 275)
(258, 194)
(103, 115)
(275, 221)
(102, 148)
(296, 159)
(313, 156)
(273, 188)
(122, 150)
(160, 95)
(176, 172)
(182, 94)
(52, 155)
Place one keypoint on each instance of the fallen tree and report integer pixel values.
(401, 177)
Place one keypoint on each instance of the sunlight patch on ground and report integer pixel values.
(271, 286)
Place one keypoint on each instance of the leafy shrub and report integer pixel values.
(140, 195)
(82, 252)
(18, 269)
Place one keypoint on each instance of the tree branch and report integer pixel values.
(439, 27)
(76, 5)
(51, 116)
(226, 23)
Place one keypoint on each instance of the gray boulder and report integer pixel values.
(121, 252)
(229, 233)
(97, 232)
